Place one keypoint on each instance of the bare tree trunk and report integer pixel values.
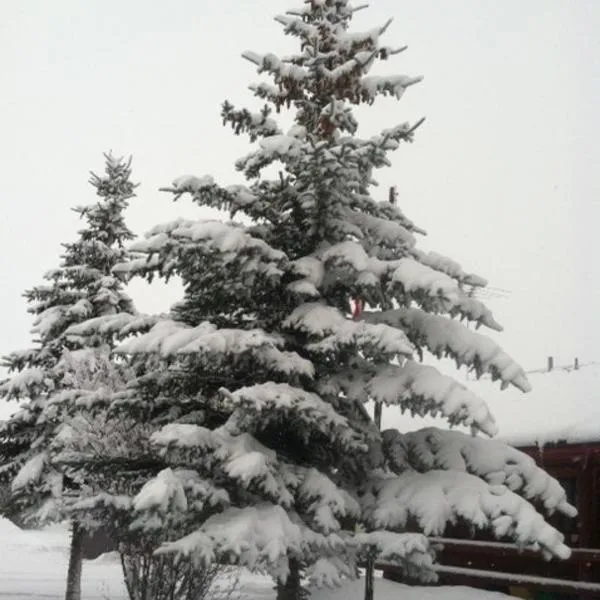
(292, 588)
(370, 580)
(75, 562)
(370, 566)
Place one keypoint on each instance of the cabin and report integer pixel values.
(558, 424)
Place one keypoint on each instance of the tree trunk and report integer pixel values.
(75, 561)
(370, 580)
(292, 588)
(370, 566)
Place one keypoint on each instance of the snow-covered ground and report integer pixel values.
(33, 566)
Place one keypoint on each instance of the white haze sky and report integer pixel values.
(503, 175)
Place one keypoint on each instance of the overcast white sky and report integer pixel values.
(504, 174)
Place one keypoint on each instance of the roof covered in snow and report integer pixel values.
(563, 406)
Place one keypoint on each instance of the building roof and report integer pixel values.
(563, 406)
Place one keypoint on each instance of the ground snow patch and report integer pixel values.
(33, 565)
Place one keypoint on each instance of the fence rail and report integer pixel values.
(581, 558)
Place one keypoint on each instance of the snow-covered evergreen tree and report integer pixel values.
(83, 286)
(260, 374)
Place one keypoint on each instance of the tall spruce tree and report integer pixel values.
(45, 377)
(260, 373)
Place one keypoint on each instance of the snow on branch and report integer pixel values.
(437, 499)
(48, 320)
(229, 243)
(492, 460)
(102, 501)
(410, 551)
(239, 457)
(311, 271)
(330, 571)
(280, 70)
(185, 435)
(392, 85)
(171, 338)
(174, 496)
(258, 537)
(31, 471)
(423, 390)
(22, 384)
(392, 230)
(325, 501)
(261, 403)
(298, 27)
(206, 192)
(352, 254)
(450, 267)
(229, 239)
(416, 278)
(121, 325)
(335, 331)
(284, 147)
(412, 275)
(445, 337)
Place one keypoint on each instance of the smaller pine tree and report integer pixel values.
(44, 377)
(83, 286)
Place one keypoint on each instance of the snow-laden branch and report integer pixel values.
(417, 388)
(22, 384)
(492, 460)
(437, 499)
(259, 404)
(258, 537)
(392, 85)
(410, 551)
(324, 501)
(450, 267)
(273, 65)
(230, 242)
(171, 338)
(241, 458)
(445, 337)
(336, 331)
(415, 276)
(384, 225)
(121, 325)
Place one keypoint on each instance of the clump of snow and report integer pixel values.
(192, 183)
(394, 85)
(30, 472)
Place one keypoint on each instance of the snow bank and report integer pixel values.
(33, 564)
(389, 590)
